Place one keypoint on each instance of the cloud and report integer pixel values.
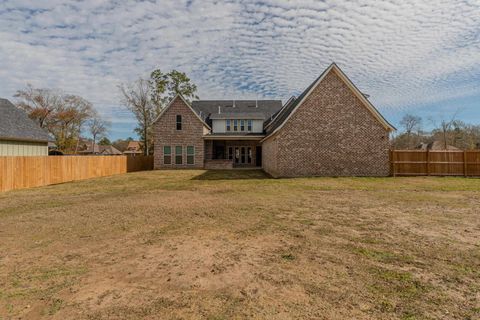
(405, 54)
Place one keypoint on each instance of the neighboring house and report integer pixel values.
(435, 145)
(99, 150)
(20, 135)
(134, 148)
(331, 129)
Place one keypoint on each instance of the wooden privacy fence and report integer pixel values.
(28, 172)
(435, 163)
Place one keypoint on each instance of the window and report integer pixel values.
(242, 125)
(167, 155)
(249, 155)
(237, 154)
(178, 155)
(190, 155)
(179, 122)
(228, 125)
(243, 155)
(230, 153)
(235, 125)
(249, 125)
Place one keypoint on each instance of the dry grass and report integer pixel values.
(223, 245)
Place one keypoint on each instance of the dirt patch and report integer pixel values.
(196, 245)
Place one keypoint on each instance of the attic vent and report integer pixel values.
(251, 106)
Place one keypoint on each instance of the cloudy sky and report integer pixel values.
(412, 56)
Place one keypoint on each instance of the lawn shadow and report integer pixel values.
(231, 175)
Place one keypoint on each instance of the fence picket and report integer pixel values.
(27, 172)
(435, 162)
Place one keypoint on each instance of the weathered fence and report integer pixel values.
(435, 163)
(28, 172)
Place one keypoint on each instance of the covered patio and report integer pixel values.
(228, 152)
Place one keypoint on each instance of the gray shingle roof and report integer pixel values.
(263, 109)
(16, 125)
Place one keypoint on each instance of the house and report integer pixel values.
(100, 150)
(20, 135)
(331, 129)
(134, 148)
(435, 145)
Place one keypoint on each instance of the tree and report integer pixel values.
(412, 126)
(69, 121)
(166, 86)
(40, 104)
(63, 115)
(137, 97)
(97, 127)
(146, 98)
(411, 123)
(444, 129)
(104, 142)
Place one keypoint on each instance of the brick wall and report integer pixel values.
(331, 134)
(165, 133)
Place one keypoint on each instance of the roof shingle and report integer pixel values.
(16, 125)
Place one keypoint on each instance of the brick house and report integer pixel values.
(331, 129)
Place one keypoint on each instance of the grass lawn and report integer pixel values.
(235, 245)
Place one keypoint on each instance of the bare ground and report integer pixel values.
(235, 245)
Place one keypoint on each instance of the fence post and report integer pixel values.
(465, 163)
(428, 162)
(392, 159)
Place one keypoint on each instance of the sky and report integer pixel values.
(410, 56)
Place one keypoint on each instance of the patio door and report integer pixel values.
(243, 155)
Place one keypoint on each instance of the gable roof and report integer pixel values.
(236, 109)
(100, 149)
(179, 96)
(16, 125)
(289, 110)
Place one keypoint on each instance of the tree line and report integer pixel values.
(446, 132)
(68, 118)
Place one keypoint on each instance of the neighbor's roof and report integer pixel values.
(233, 109)
(285, 113)
(16, 125)
(100, 149)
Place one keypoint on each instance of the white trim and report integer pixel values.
(352, 87)
(188, 105)
(233, 137)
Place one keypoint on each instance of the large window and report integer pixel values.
(178, 155)
(190, 155)
(228, 125)
(235, 125)
(167, 155)
(242, 125)
(179, 122)
(249, 125)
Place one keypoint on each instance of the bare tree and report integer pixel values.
(97, 128)
(40, 104)
(137, 97)
(444, 128)
(411, 124)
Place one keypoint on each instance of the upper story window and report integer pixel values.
(249, 125)
(228, 125)
(242, 125)
(179, 122)
(235, 125)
